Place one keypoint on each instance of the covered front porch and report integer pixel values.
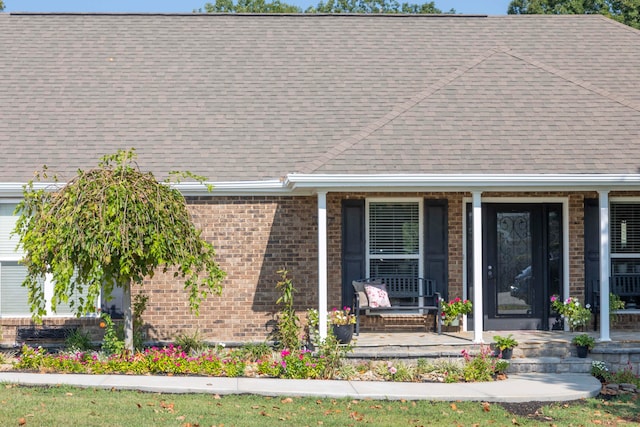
(456, 223)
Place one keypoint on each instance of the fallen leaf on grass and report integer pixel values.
(22, 421)
(68, 394)
(514, 422)
(486, 407)
(287, 400)
(167, 406)
(356, 416)
(216, 396)
(454, 407)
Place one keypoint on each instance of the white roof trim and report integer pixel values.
(306, 184)
(464, 182)
(271, 187)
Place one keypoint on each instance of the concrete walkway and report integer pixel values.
(517, 388)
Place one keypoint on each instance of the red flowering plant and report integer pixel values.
(454, 309)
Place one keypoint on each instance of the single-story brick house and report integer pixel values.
(498, 156)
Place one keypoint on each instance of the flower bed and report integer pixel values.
(263, 362)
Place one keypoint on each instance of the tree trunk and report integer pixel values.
(128, 318)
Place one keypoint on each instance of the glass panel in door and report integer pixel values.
(514, 293)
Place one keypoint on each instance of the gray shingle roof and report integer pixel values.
(255, 97)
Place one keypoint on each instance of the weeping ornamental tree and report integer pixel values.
(108, 227)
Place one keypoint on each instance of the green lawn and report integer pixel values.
(68, 406)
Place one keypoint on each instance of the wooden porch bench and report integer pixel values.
(43, 335)
(405, 294)
(622, 285)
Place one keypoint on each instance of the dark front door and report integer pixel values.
(522, 264)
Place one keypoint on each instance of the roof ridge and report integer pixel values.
(398, 110)
(619, 24)
(578, 82)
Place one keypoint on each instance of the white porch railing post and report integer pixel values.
(605, 269)
(322, 264)
(478, 311)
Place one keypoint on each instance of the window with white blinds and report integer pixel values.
(625, 228)
(8, 243)
(394, 238)
(13, 296)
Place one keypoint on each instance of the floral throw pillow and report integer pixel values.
(377, 295)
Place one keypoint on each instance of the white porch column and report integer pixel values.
(605, 272)
(322, 263)
(478, 312)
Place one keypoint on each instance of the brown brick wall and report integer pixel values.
(254, 237)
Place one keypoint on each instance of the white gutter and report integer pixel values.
(307, 184)
(270, 187)
(465, 182)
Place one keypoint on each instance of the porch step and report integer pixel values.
(553, 365)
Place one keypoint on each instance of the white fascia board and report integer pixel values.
(464, 182)
(271, 187)
(230, 188)
(15, 189)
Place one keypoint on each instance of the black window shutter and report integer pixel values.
(591, 248)
(353, 250)
(437, 243)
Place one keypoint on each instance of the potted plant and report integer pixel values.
(342, 322)
(583, 343)
(452, 310)
(505, 345)
(576, 315)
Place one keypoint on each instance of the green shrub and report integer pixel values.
(625, 376)
(31, 358)
(190, 343)
(287, 333)
(112, 341)
(78, 340)
(600, 370)
(255, 351)
(480, 367)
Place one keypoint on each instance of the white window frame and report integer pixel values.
(615, 256)
(420, 255)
